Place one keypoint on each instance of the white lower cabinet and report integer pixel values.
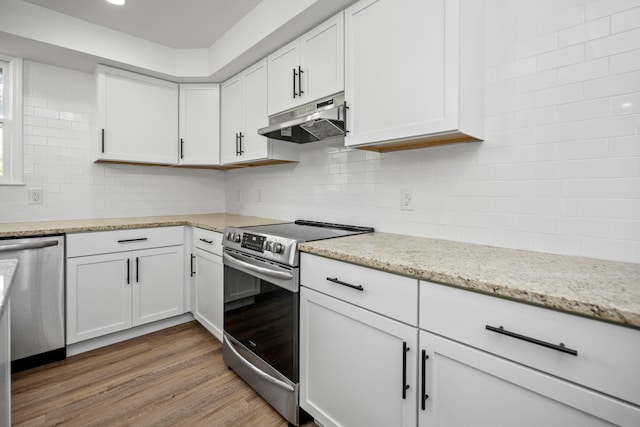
(357, 368)
(5, 367)
(207, 280)
(469, 387)
(111, 292)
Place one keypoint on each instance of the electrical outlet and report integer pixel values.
(259, 195)
(35, 196)
(406, 200)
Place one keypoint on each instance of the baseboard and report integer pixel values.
(92, 344)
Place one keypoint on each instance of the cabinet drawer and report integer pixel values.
(102, 242)
(385, 293)
(606, 357)
(210, 241)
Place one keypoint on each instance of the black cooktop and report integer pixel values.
(306, 231)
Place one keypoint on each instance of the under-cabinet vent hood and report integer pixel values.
(319, 120)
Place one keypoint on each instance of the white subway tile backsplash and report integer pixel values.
(582, 71)
(613, 85)
(560, 20)
(610, 126)
(556, 133)
(559, 95)
(585, 32)
(610, 45)
(561, 57)
(625, 62)
(599, 8)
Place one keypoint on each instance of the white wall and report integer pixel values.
(559, 170)
(59, 128)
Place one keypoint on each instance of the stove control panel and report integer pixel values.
(253, 242)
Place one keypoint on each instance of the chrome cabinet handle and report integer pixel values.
(348, 285)
(559, 347)
(28, 245)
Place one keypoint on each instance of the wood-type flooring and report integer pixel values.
(173, 377)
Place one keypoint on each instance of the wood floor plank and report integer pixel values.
(171, 377)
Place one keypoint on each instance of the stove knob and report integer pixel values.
(236, 237)
(268, 246)
(229, 236)
(277, 248)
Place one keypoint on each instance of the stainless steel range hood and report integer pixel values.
(322, 119)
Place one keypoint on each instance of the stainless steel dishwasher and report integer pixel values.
(37, 300)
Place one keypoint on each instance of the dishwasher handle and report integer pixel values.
(28, 245)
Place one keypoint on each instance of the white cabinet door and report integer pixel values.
(98, 295)
(158, 291)
(351, 364)
(231, 118)
(137, 118)
(284, 89)
(308, 68)
(468, 387)
(199, 124)
(322, 59)
(408, 83)
(254, 146)
(209, 300)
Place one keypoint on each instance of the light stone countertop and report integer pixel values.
(604, 290)
(214, 222)
(7, 269)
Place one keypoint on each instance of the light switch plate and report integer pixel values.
(406, 200)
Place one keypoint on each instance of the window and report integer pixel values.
(10, 120)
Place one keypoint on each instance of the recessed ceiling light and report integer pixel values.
(117, 2)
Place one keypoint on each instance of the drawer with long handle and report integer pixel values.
(210, 241)
(102, 242)
(596, 354)
(384, 293)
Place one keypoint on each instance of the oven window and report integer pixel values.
(264, 318)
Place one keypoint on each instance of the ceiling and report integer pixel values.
(179, 24)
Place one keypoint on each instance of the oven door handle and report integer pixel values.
(260, 372)
(283, 275)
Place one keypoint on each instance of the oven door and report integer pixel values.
(261, 328)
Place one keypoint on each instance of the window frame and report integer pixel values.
(12, 130)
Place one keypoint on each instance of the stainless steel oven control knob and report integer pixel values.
(268, 246)
(229, 236)
(236, 237)
(277, 248)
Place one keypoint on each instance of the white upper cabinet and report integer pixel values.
(414, 73)
(137, 118)
(243, 112)
(308, 68)
(199, 124)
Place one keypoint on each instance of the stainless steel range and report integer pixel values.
(261, 312)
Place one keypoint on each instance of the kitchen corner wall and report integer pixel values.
(59, 130)
(559, 170)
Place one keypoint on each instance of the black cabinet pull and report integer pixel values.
(405, 386)
(300, 91)
(294, 83)
(103, 140)
(140, 239)
(348, 285)
(559, 347)
(241, 136)
(206, 241)
(237, 149)
(181, 148)
(128, 271)
(346, 129)
(137, 270)
(425, 396)
(193, 272)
